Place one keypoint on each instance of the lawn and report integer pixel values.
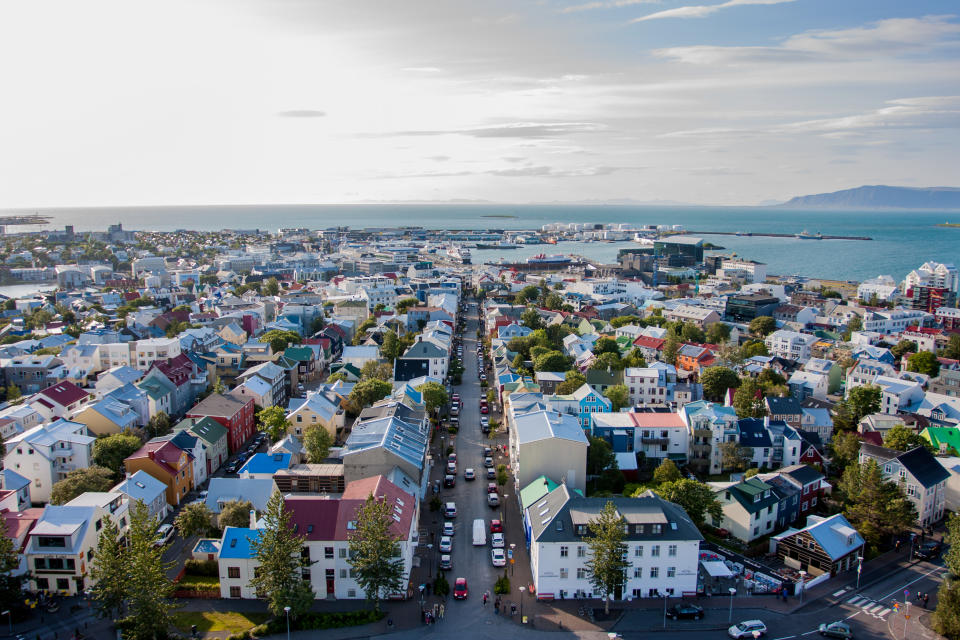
(199, 583)
(217, 620)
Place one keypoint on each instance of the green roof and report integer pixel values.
(939, 437)
(298, 354)
(536, 490)
(205, 428)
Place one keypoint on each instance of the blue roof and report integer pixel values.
(266, 463)
(236, 542)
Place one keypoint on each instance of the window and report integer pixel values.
(638, 551)
(655, 551)
(813, 501)
(328, 552)
(564, 573)
(563, 551)
(63, 584)
(657, 529)
(351, 593)
(42, 584)
(234, 592)
(343, 573)
(343, 552)
(581, 551)
(654, 572)
(51, 541)
(581, 573)
(672, 550)
(671, 572)
(233, 572)
(638, 572)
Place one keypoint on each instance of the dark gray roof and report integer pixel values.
(552, 517)
(783, 406)
(753, 433)
(924, 467)
(804, 474)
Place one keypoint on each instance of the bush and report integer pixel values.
(201, 568)
(502, 585)
(435, 503)
(453, 430)
(324, 621)
(440, 586)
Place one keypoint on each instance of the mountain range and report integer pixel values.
(881, 196)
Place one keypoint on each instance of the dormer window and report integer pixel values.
(656, 529)
(581, 529)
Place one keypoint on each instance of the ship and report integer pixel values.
(806, 235)
(459, 254)
(551, 259)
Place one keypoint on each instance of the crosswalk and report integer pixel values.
(871, 607)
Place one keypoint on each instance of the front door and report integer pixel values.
(330, 586)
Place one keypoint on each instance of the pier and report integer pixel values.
(774, 235)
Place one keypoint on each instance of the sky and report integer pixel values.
(736, 102)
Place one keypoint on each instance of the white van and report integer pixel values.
(479, 532)
(165, 534)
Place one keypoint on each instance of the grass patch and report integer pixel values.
(217, 620)
(198, 583)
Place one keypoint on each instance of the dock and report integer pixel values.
(773, 235)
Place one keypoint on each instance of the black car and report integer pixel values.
(685, 610)
(231, 468)
(449, 481)
(929, 550)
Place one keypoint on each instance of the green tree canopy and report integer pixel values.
(366, 392)
(390, 349)
(10, 584)
(147, 586)
(618, 395)
(110, 451)
(863, 401)
(666, 472)
(600, 456)
(718, 333)
(608, 564)
(317, 442)
(551, 361)
(734, 457)
(280, 340)
(716, 381)
(530, 318)
(952, 537)
(159, 425)
(607, 361)
(79, 481)
(434, 396)
(375, 369)
(235, 513)
(763, 326)
(375, 552)
(924, 362)
(109, 571)
(671, 346)
(553, 301)
(902, 348)
(606, 345)
(634, 359)
(696, 498)
(572, 381)
(277, 549)
(273, 421)
(753, 348)
(844, 448)
(876, 507)
(902, 438)
(690, 332)
(194, 519)
(748, 399)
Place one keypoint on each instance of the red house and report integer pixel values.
(233, 413)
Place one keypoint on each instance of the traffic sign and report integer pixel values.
(906, 593)
(509, 553)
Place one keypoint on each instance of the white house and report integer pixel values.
(546, 443)
(791, 345)
(47, 453)
(923, 478)
(149, 351)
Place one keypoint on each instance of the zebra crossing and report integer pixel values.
(870, 607)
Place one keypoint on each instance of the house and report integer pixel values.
(108, 417)
(257, 491)
(549, 380)
(375, 447)
(234, 414)
(213, 436)
(312, 478)
(790, 345)
(275, 376)
(657, 435)
(237, 562)
(160, 393)
(31, 373)
(807, 384)
(897, 394)
(144, 487)
(166, 462)
(18, 418)
(359, 356)
(424, 357)
(583, 403)
(702, 317)
(551, 444)
(61, 400)
(146, 352)
(193, 446)
(653, 385)
(787, 409)
(256, 389)
(663, 545)
(946, 440)
(808, 484)
(651, 347)
(923, 478)
(749, 508)
(756, 441)
(324, 408)
(17, 490)
(187, 378)
(825, 545)
(47, 453)
(708, 425)
(693, 357)
(116, 377)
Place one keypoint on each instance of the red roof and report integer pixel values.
(19, 523)
(64, 393)
(321, 519)
(178, 369)
(651, 343)
(163, 452)
(657, 420)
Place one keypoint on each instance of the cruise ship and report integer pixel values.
(459, 254)
(551, 259)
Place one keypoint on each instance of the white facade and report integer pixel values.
(791, 345)
(149, 351)
(47, 453)
(894, 321)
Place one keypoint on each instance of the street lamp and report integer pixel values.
(9, 618)
(803, 586)
(522, 589)
(859, 570)
(665, 596)
(287, 611)
(430, 553)
(730, 617)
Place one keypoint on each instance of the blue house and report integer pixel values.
(583, 403)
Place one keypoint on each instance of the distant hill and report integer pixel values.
(881, 196)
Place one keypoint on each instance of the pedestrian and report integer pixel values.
(496, 606)
(441, 611)
(436, 609)
(428, 589)
(484, 599)
(926, 599)
(783, 590)
(897, 544)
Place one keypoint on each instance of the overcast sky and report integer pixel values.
(300, 101)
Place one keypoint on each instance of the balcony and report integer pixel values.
(654, 440)
(702, 433)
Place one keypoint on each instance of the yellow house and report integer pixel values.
(318, 408)
(107, 417)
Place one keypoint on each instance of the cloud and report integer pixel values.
(531, 171)
(884, 37)
(421, 69)
(615, 4)
(704, 10)
(529, 130)
(302, 113)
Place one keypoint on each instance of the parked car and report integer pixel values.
(452, 468)
(484, 409)
(686, 611)
(498, 557)
(165, 532)
(496, 541)
(747, 629)
(839, 629)
(446, 544)
(469, 474)
(445, 563)
(929, 550)
(448, 528)
(492, 487)
(487, 452)
(450, 510)
(449, 481)
(491, 474)
(460, 589)
(488, 462)
(493, 500)
(496, 526)
(452, 458)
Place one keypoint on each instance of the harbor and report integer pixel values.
(801, 236)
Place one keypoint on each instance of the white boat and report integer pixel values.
(459, 254)
(806, 235)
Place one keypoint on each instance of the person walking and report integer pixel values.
(484, 599)
(441, 611)
(926, 600)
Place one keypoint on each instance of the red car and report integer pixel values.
(483, 409)
(460, 589)
(496, 526)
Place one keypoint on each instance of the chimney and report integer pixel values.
(766, 421)
(253, 519)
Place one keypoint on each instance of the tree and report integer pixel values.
(235, 513)
(748, 400)
(277, 549)
(273, 421)
(109, 571)
(753, 348)
(600, 456)
(551, 361)
(671, 346)
(366, 392)
(271, 287)
(317, 442)
(952, 537)
(13, 393)
(606, 345)
(375, 552)
(607, 361)
(763, 326)
(696, 498)
(863, 401)
(147, 585)
(902, 438)
(280, 340)
(79, 481)
(405, 303)
(666, 472)
(618, 395)
(110, 451)
(527, 294)
(608, 564)
(902, 348)
(876, 507)
(924, 362)
(553, 301)
(718, 333)
(634, 359)
(845, 448)
(716, 381)
(769, 378)
(692, 333)
(379, 370)
(10, 585)
(953, 347)
(946, 618)
(159, 425)
(732, 456)
(434, 396)
(194, 519)
(530, 318)
(572, 381)
(390, 349)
